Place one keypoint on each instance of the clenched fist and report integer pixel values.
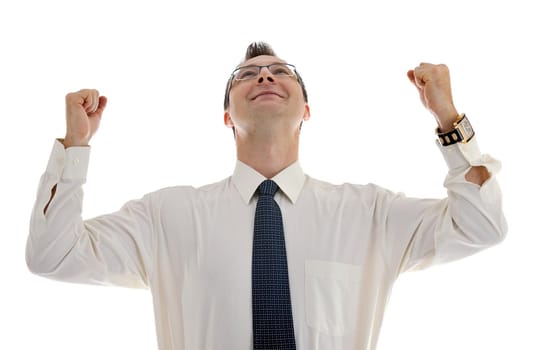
(84, 109)
(434, 86)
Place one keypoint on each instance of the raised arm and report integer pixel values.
(424, 232)
(434, 86)
(110, 249)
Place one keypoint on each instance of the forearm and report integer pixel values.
(474, 198)
(57, 210)
(67, 144)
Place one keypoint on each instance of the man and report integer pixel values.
(323, 269)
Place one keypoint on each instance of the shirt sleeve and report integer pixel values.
(424, 232)
(113, 249)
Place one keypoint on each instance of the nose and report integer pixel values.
(265, 74)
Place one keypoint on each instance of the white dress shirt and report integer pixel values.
(192, 247)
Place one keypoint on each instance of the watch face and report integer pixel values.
(467, 128)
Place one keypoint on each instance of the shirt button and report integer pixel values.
(76, 161)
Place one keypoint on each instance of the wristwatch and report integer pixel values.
(463, 132)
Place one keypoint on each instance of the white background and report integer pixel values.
(164, 64)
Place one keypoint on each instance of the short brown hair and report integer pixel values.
(255, 49)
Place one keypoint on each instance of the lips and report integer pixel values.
(266, 92)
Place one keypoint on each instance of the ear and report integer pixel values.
(228, 120)
(307, 113)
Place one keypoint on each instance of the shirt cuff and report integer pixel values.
(464, 155)
(68, 164)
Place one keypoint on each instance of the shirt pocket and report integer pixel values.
(332, 296)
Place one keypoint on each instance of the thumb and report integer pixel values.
(415, 79)
(411, 77)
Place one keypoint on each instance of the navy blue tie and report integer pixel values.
(273, 326)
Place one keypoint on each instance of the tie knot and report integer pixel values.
(268, 187)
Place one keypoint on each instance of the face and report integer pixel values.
(266, 102)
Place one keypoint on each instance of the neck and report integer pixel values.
(268, 154)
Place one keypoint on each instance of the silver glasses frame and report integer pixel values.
(291, 67)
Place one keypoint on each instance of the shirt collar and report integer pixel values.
(290, 180)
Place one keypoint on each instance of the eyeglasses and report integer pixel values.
(252, 72)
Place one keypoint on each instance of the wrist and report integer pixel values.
(446, 121)
(69, 141)
(445, 126)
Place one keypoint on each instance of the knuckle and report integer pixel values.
(442, 68)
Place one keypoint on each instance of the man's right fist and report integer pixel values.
(83, 114)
